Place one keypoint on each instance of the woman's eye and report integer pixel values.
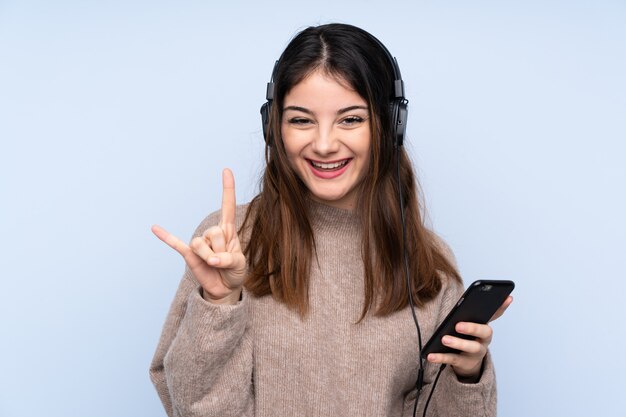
(352, 120)
(301, 121)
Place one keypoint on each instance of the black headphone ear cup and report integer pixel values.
(399, 114)
(265, 122)
(401, 119)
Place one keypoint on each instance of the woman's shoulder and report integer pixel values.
(450, 285)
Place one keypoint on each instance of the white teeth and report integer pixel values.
(332, 165)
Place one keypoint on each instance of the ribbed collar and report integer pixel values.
(325, 218)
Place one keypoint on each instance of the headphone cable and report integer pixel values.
(419, 383)
(432, 390)
(420, 373)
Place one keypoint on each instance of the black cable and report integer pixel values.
(420, 373)
(441, 368)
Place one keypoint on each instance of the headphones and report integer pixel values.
(398, 105)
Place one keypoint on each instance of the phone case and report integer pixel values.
(477, 305)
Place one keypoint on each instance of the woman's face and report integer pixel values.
(326, 132)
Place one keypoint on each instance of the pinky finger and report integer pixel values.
(447, 358)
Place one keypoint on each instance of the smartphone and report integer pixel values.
(477, 305)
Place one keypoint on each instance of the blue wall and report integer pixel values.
(117, 115)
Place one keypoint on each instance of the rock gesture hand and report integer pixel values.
(215, 258)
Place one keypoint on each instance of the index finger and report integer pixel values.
(228, 197)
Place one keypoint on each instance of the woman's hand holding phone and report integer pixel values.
(215, 258)
(468, 363)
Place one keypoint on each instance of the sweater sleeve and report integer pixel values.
(453, 398)
(203, 362)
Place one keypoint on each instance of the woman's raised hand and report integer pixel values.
(215, 258)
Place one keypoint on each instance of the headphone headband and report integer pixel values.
(399, 104)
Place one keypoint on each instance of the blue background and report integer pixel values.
(117, 115)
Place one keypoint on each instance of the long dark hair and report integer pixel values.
(281, 242)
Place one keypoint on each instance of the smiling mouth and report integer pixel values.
(329, 166)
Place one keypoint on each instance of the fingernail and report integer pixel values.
(214, 260)
(447, 340)
(461, 327)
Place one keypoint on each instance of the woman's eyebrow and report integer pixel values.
(350, 108)
(340, 111)
(298, 108)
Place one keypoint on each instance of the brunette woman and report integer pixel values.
(297, 303)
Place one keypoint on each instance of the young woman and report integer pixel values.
(297, 303)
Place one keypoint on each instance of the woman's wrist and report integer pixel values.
(231, 299)
(471, 377)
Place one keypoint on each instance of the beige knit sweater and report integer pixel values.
(258, 358)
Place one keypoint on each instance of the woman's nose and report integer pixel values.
(326, 141)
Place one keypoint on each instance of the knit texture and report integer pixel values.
(260, 358)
